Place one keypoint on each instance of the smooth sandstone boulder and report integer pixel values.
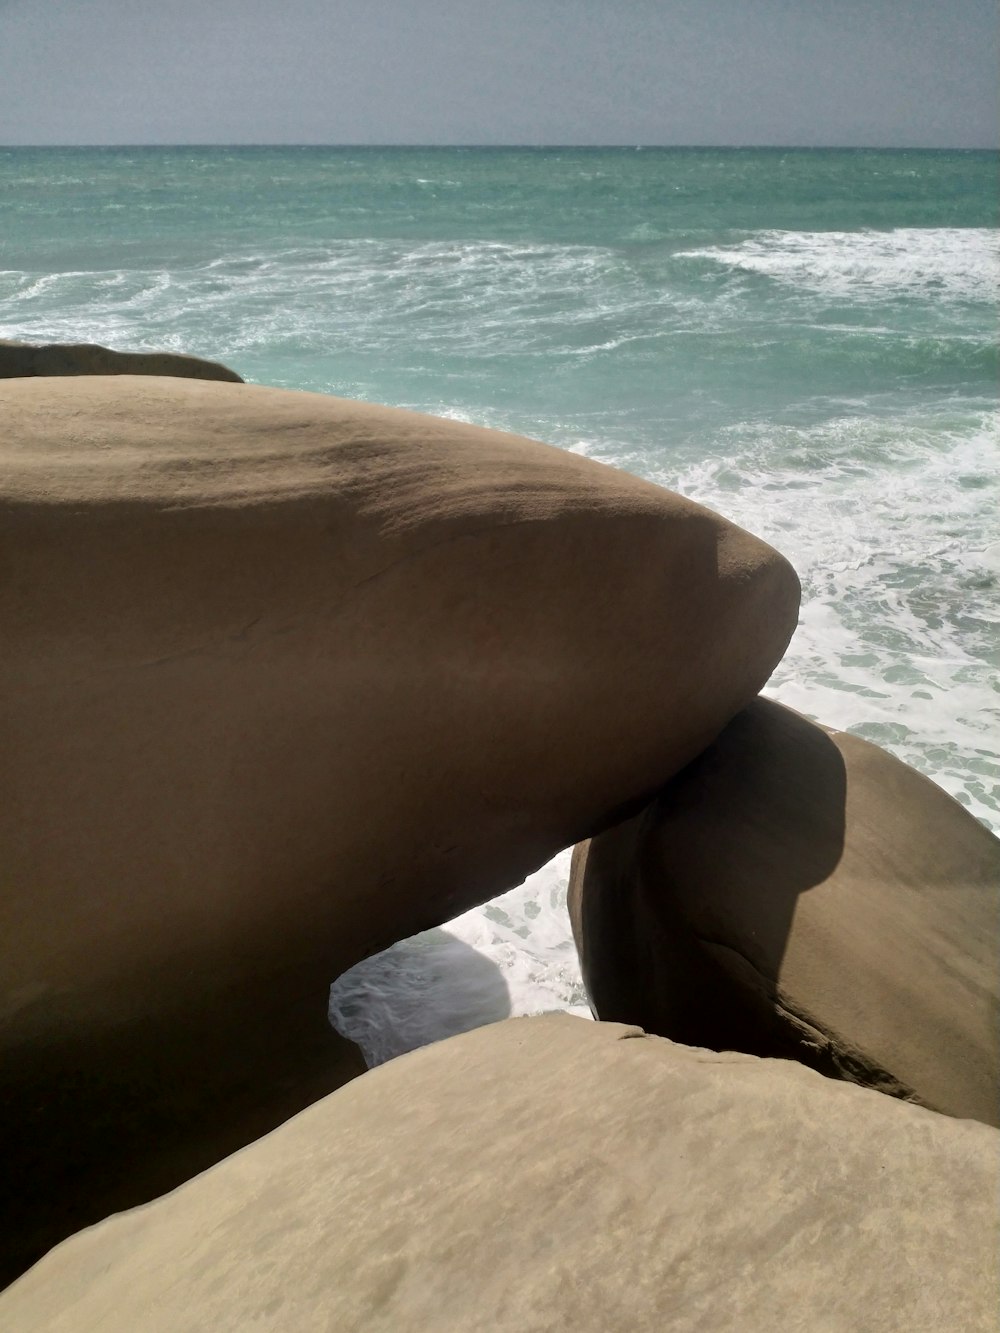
(287, 679)
(22, 359)
(551, 1173)
(799, 892)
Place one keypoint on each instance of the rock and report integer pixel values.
(551, 1173)
(799, 892)
(287, 679)
(22, 359)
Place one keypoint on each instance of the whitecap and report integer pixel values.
(956, 263)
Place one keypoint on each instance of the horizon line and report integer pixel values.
(535, 147)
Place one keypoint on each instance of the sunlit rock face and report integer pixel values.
(287, 679)
(551, 1173)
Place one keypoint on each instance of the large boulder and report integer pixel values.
(799, 892)
(550, 1173)
(287, 679)
(19, 359)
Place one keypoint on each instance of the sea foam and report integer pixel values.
(957, 263)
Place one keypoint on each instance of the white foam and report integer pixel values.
(889, 525)
(489, 298)
(950, 262)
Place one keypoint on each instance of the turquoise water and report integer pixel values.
(805, 340)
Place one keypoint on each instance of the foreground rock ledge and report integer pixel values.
(797, 891)
(286, 679)
(19, 359)
(551, 1173)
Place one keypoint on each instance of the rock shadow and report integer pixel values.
(423, 989)
(683, 914)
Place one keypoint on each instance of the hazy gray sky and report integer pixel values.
(865, 72)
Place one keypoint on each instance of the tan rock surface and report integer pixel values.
(553, 1174)
(23, 359)
(286, 679)
(800, 892)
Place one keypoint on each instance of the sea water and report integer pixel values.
(803, 340)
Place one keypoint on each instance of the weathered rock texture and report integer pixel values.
(25, 359)
(799, 892)
(550, 1173)
(286, 679)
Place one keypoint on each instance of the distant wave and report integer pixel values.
(961, 263)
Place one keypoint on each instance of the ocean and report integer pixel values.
(804, 340)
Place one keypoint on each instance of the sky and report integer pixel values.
(913, 73)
